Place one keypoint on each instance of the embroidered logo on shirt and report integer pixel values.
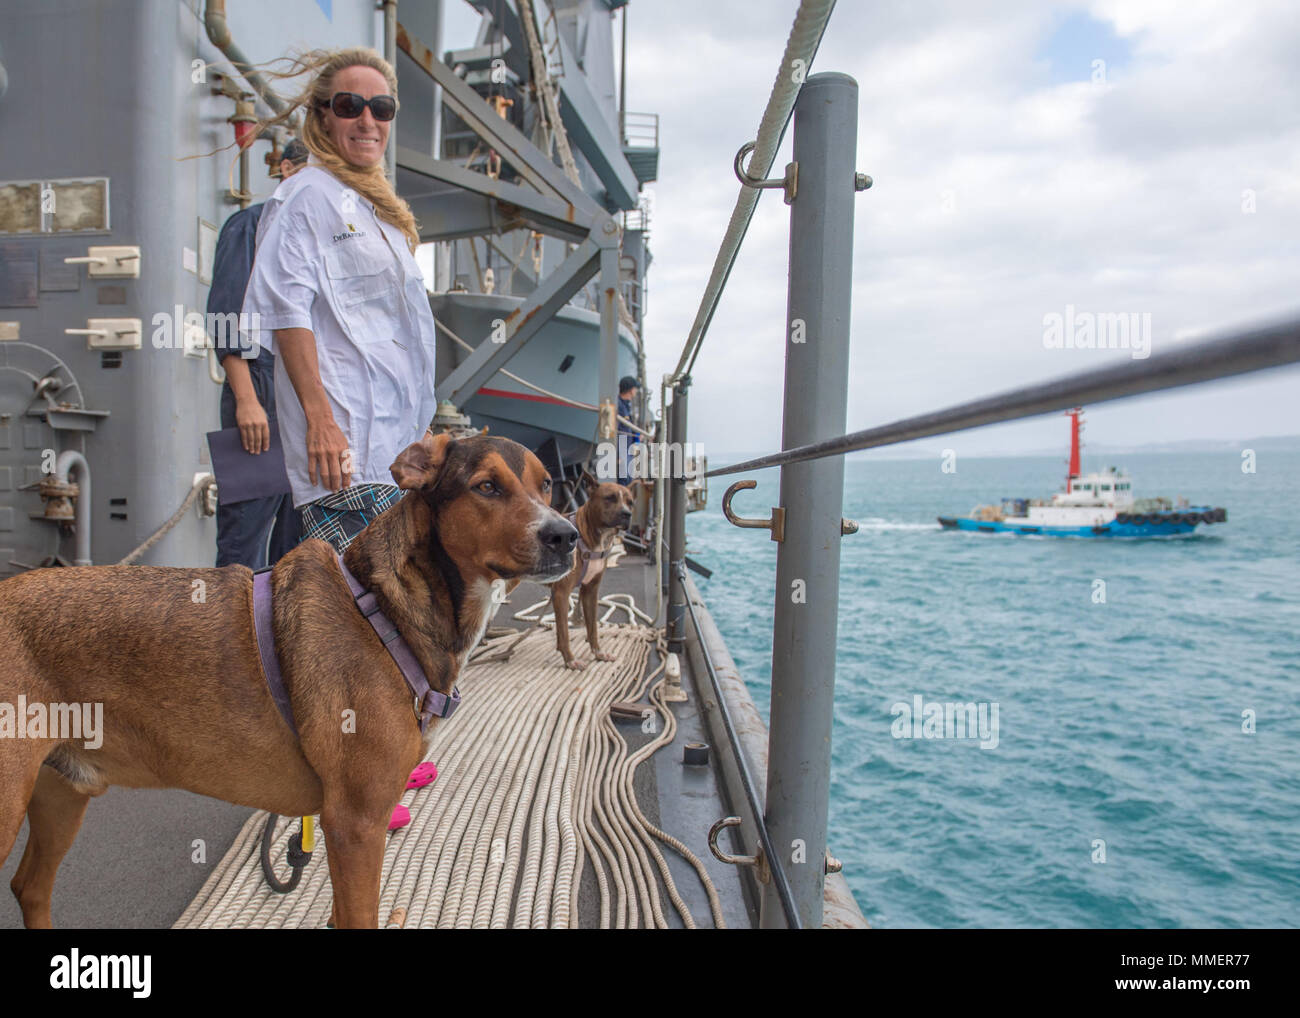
(351, 232)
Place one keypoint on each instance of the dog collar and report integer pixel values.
(585, 553)
(430, 703)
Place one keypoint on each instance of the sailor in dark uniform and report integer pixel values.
(256, 532)
(627, 436)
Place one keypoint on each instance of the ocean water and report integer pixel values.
(1120, 722)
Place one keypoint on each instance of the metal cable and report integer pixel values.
(805, 38)
(1257, 349)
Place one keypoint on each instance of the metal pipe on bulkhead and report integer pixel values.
(68, 461)
(214, 22)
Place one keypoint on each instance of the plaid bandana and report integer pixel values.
(340, 516)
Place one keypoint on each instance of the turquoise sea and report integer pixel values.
(1120, 722)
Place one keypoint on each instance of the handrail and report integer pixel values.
(772, 860)
(640, 130)
(1256, 349)
(805, 38)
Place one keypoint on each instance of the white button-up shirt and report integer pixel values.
(327, 263)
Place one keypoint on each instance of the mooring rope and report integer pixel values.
(200, 485)
(535, 783)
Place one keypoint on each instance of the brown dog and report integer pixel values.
(172, 657)
(608, 510)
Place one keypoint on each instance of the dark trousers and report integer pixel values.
(626, 443)
(260, 531)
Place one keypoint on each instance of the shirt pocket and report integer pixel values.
(366, 293)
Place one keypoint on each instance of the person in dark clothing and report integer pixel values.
(256, 532)
(627, 437)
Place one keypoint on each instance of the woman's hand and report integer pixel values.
(328, 455)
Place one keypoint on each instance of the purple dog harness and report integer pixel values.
(431, 702)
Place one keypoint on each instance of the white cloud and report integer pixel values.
(1121, 197)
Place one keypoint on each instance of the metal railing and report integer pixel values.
(640, 130)
(787, 814)
(637, 218)
(1257, 348)
(633, 295)
(771, 857)
(820, 186)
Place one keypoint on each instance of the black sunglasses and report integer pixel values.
(349, 105)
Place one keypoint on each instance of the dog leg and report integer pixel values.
(54, 816)
(20, 763)
(589, 597)
(355, 841)
(560, 606)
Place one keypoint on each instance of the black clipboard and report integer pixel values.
(242, 476)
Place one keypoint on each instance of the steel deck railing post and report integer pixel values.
(677, 514)
(662, 507)
(609, 339)
(808, 558)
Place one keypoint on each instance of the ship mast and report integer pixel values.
(1076, 427)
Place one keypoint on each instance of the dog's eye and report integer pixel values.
(486, 488)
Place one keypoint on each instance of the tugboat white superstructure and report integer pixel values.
(1099, 504)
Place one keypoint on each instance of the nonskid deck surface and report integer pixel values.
(135, 864)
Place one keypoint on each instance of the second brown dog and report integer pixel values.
(608, 510)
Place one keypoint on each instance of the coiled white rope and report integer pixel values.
(535, 782)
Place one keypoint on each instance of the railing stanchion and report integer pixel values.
(677, 515)
(808, 557)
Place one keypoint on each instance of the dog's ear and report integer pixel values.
(589, 483)
(417, 466)
(635, 486)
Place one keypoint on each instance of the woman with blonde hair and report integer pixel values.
(335, 283)
(339, 295)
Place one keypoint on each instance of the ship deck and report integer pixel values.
(143, 855)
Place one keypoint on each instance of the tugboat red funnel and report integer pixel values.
(1075, 425)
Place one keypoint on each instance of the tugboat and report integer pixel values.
(1099, 504)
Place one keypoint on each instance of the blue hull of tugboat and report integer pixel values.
(1184, 521)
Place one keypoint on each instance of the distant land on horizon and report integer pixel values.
(907, 451)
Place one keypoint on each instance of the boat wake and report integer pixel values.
(876, 523)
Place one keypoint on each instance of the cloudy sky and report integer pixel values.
(1014, 175)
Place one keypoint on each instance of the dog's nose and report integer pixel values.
(558, 534)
